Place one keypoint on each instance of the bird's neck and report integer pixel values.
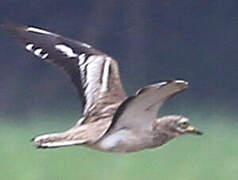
(160, 138)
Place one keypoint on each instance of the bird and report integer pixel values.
(111, 121)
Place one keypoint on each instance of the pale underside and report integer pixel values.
(106, 109)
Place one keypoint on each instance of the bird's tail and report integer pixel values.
(55, 140)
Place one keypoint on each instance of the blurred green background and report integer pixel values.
(212, 156)
(152, 41)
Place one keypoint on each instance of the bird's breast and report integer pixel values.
(123, 141)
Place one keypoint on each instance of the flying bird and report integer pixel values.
(111, 121)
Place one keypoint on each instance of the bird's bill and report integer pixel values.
(193, 130)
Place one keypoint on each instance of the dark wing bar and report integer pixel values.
(141, 110)
(88, 68)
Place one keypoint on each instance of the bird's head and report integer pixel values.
(175, 125)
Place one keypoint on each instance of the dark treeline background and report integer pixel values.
(152, 40)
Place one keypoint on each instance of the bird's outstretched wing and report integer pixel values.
(140, 110)
(94, 74)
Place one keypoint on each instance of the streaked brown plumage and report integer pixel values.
(111, 121)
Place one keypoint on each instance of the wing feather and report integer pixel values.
(93, 73)
(141, 110)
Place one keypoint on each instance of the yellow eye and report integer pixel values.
(184, 125)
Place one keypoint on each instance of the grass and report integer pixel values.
(213, 156)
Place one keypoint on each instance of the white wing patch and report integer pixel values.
(29, 47)
(86, 45)
(181, 82)
(68, 51)
(81, 58)
(163, 83)
(105, 76)
(93, 75)
(37, 52)
(37, 30)
(37, 141)
(45, 56)
(94, 71)
(59, 144)
(82, 67)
